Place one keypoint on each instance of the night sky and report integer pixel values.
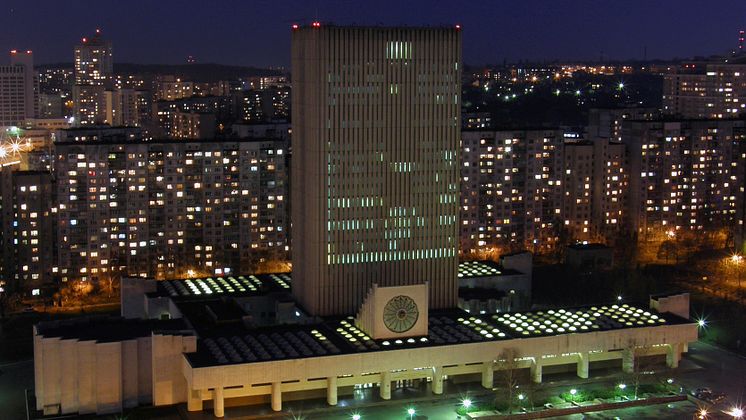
(257, 32)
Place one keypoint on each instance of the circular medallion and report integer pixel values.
(400, 314)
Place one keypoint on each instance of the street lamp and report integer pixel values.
(622, 386)
(411, 412)
(466, 403)
(702, 413)
(701, 323)
(521, 397)
(735, 412)
(356, 416)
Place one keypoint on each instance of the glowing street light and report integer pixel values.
(466, 403)
(356, 416)
(622, 386)
(411, 412)
(521, 397)
(619, 298)
(620, 85)
(701, 323)
(702, 414)
(735, 412)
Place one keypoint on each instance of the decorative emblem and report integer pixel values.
(400, 314)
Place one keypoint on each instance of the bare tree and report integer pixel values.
(507, 367)
(641, 365)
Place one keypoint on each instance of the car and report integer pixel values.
(715, 398)
(702, 393)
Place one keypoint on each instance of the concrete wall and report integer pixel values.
(85, 377)
(132, 296)
(371, 316)
(300, 373)
(675, 304)
(169, 384)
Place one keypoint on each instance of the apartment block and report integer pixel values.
(163, 208)
(685, 175)
(511, 189)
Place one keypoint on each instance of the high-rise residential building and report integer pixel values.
(171, 88)
(27, 227)
(606, 123)
(192, 125)
(594, 188)
(376, 121)
(511, 189)
(126, 107)
(706, 90)
(19, 89)
(270, 104)
(162, 208)
(685, 175)
(93, 70)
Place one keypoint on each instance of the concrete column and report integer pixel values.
(437, 380)
(536, 371)
(673, 355)
(194, 400)
(331, 390)
(628, 361)
(276, 396)
(218, 403)
(583, 365)
(385, 386)
(488, 375)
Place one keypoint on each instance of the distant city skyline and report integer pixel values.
(258, 33)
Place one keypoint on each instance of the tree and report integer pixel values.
(507, 367)
(640, 366)
(667, 250)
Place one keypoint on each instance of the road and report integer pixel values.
(15, 378)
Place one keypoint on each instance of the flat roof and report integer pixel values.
(259, 284)
(468, 269)
(253, 284)
(334, 336)
(109, 328)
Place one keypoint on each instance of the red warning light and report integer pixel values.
(13, 52)
(28, 51)
(316, 24)
(458, 26)
(98, 31)
(85, 39)
(295, 26)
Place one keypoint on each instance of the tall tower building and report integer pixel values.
(19, 89)
(93, 69)
(376, 125)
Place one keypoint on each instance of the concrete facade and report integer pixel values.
(276, 378)
(376, 115)
(88, 375)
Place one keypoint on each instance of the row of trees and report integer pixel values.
(512, 381)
